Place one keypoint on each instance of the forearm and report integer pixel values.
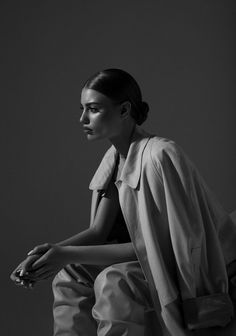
(101, 254)
(86, 237)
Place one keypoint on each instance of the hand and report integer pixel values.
(40, 249)
(49, 263)
(20, 274)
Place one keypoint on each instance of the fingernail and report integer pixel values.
(30, 252)
(21, 272)
(17, 280)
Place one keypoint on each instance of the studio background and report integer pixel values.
(182, 53)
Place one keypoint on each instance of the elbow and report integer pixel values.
(98, 236)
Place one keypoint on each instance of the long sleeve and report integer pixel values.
(197, 234)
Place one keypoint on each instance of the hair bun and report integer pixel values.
(143, 113)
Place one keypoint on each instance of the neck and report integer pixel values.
(122, 142)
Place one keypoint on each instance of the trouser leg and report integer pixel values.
(122, 299)
(73, 302)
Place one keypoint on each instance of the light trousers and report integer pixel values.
(111, 301)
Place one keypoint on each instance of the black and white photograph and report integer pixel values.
(118, 168)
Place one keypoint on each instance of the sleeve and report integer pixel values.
(200, 263)
(184, 225)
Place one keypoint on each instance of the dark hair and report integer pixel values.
(120, 86)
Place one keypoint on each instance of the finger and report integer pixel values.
(26, 283)
(23, 272)
(29, 284)
(21, 283)
(46, 275)
(40, 249)
(22, 269)
(13, 277)
(27, 264)
(16, 273)
(40, 276)
(15, 270)
(18, 282)
(26, 276)
(38, 272)
(39, 262)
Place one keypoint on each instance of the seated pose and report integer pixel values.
(159, 255)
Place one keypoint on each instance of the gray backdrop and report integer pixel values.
(183, 55)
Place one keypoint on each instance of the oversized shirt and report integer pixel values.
(182, 237)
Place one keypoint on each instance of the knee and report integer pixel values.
(60, 277)
(111, 280)
(115, 300)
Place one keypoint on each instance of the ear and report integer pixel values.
(125, 109)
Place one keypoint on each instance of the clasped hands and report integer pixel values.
(41, 263)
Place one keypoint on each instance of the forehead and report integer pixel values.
(92, 96)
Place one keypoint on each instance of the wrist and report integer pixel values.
(67, 255)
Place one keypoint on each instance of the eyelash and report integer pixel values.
(91, 109)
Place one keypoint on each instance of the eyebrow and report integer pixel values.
(92, 103)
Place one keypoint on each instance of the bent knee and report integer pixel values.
(61, 276)
(121, 270)
(110, 277)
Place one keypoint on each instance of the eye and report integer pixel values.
(93, 109)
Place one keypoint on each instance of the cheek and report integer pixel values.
(106, 121)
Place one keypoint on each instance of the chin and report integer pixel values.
(94, 137)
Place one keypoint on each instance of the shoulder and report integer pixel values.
(160, 148)
(166, 154)
(167, 158)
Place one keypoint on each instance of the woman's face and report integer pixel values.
(101, 117)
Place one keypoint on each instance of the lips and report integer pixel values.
(87, 129)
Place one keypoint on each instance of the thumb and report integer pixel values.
(40, 249)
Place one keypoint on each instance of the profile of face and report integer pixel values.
(101, 117)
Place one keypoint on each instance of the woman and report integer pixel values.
(159, 248)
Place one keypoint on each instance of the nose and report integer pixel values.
(84, 117)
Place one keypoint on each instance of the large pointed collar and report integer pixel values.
(132, 167)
